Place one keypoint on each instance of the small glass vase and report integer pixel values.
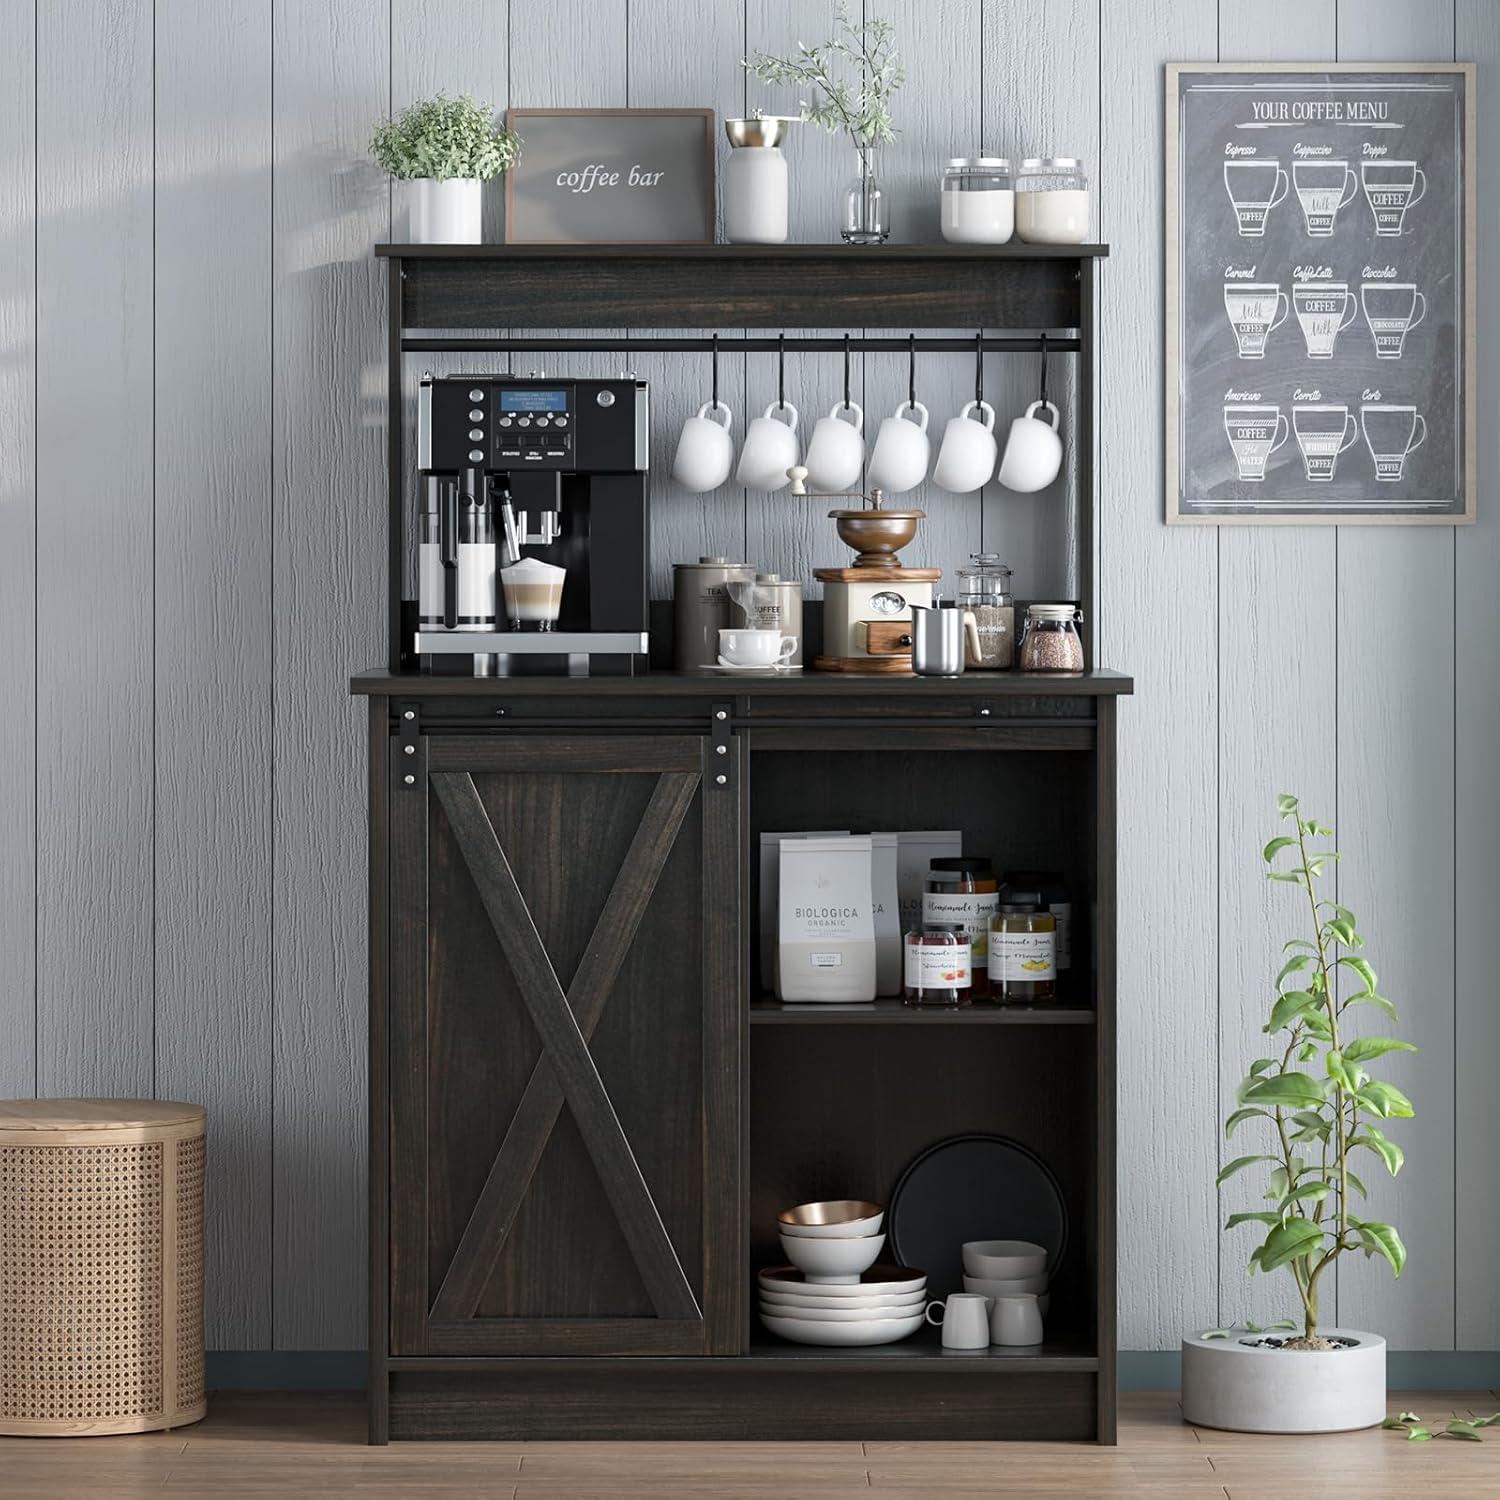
(864, 204)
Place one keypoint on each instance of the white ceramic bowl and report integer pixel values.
(846, 1335)
(1013, 1287)
(978, 1284)
(889, 1281)
(856, 1314)
(842, 1219)
(833, 1262)
(814, 1304)
(1004, 1260)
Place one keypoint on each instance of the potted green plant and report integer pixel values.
(1318, 1111)
(859, 107)
(449, 148)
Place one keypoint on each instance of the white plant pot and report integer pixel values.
(1246, 1387)
(447, 211)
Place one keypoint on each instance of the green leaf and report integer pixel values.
(1287, 1323)
(1259, 1217)
(1253, 1327)
(1289, 1006)
(1295, 878)
(1363, 1048)
(1315, 1192)
(1410, 1416)
(1286, 1088)
(1361, 966)
(1301, 943)
(1487, 1421)
(1286, 804)
(1241, 1115)
(1307, 1051)
(1388, 1151)
(1369, 997)
(1215, 1333)
(1317, 1024)
(1381, 1239)
(1290, 1241)
(1296, 962)
(1389, 1421)
(1318, 830)
(1464, 1430)
(1239, 1164)
(1418, 1435)
(1342, 932)
(1355, 1183)
(1275, 847)
(1385, 1100)
(1346, 1077)
(1260, 1065)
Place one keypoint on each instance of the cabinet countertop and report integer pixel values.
(808, 684)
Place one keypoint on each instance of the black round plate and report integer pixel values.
(973, 1187)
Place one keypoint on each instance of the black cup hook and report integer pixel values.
(781, 371)
(911, 370)
(847, 402)
(979, 366)
(715, 357)
(1044, 367)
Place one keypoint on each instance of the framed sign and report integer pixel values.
(610, 177)
(1320, 248)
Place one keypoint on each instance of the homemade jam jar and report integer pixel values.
(1049, 890)
(964, 892)
(1022, 956)
(937, 965)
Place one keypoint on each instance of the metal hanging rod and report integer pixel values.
(733, 345)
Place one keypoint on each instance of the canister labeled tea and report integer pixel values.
(701, 608)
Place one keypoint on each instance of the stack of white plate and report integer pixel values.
(887, 1304)
(1007, 1268)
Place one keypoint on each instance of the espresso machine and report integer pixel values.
(533, 552)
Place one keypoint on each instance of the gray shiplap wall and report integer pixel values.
(190, 513)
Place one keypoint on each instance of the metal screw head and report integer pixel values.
(409, 780)
(721, 715)
(500, 713)
(721, 749)
(721, 780)
(410, 713)
(984, 713)
(408, 749)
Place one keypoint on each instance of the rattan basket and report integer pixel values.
(101, 1266)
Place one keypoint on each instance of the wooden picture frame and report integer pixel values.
(584, 176)
(1322, 240)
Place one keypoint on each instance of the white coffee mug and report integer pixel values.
(836, 450)
(967, 457)
(769, 450)
(1016, 1319)
(902, 448)
(1033, 451)
(964, 1319)
(755, 648)
(705, 452)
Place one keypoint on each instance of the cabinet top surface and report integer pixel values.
(1014, 250)
(831, 685)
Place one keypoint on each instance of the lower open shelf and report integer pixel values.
(924, 1351)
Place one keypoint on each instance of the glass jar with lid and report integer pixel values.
(938, 965)
(1050, 643)
(978, 200)
(1052, 201)
(964, 892)
(1022, 957)
(984, 591)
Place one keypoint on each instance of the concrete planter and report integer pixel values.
(1239, 1384)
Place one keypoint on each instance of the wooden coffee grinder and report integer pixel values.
(867, 607)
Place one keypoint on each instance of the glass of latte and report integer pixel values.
(533, 593)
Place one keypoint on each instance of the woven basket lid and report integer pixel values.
(96, 1114)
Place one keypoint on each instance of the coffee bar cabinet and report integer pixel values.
(586, 1105)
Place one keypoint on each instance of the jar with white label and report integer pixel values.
(1052, 201)
(978, 201)
(1022, 955)
(964, 892)
(938, 966)
(1048, 890)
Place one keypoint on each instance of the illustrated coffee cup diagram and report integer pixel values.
(1323, 188)
(1323, 432)
(1255, 187)
(1324, 310)
(1392, 187)
(1254, 309)
(1255, 432)
(1392, 309)
(1392, 432)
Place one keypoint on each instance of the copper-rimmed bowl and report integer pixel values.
(835, 1219)
(877, 536)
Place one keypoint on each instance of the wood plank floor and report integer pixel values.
(282, 1445)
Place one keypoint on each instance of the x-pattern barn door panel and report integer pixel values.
(565, 1048)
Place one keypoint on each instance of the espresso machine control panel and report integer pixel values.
(505, 423)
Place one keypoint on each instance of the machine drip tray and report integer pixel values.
(533, 643)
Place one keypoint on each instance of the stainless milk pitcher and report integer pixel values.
(937, 639)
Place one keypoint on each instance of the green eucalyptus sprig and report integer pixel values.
(1317, 1098)
(861, 107)
(1466, 1429)
(443, 138)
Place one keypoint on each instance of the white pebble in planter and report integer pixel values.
(1241, 1384)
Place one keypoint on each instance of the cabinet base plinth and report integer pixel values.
(737, 1398)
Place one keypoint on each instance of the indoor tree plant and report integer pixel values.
(1319, 1111)
(449, 148)
(859, 107)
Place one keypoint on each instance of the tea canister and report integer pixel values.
(701, 608)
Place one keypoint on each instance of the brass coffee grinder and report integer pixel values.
(867, 606)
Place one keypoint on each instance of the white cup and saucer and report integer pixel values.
(745, 650)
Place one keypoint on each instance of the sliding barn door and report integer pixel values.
(565, 1047)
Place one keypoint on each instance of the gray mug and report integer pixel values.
(937, 639)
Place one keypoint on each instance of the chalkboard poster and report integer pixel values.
(1320, 293)
(611, 176)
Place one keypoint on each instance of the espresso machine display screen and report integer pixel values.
(534, 525)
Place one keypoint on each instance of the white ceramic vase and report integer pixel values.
(447, 211)
(1240, 1385)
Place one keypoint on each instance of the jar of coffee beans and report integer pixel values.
(1051, 644)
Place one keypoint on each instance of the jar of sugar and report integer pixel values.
(978, 201)
(1052, 201)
